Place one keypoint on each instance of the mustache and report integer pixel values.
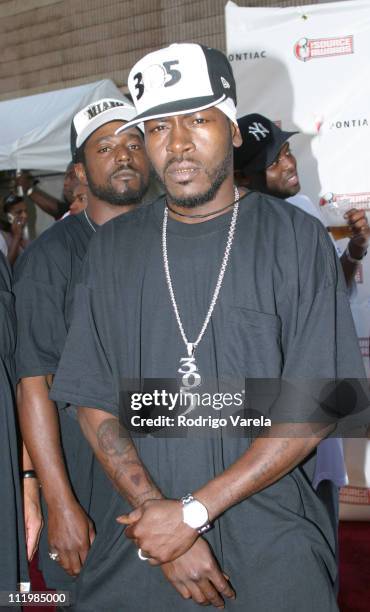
(178, 160)
(123, 167)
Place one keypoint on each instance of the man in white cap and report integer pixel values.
(114, 170)
(179, 303)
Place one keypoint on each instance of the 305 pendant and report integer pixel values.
(191, 378)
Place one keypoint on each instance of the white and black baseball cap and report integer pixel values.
(180, 79)
(262, 141)
(94, 115)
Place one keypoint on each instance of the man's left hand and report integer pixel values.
(157, 528)
(357, 221)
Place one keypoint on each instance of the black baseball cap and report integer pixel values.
(180, 79)
(262, 141)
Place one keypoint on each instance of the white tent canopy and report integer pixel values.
(35, 130)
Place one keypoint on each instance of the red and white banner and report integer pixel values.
(307, 67)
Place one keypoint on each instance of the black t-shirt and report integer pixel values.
(44, 281)
(282, 294)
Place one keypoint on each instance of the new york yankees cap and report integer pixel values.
(94, 115)
(180, 79)
(262, 141)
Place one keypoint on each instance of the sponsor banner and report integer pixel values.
(335, 205)
(359, 278)
(365, 346)
(306, 49)
(353, 200)
(355, 495)
(312, 75)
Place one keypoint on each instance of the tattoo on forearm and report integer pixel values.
(112, 438)
(270, 462)
(135, 479)
(123, 465)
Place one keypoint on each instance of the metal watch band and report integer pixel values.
(186, 499)
(205, 528)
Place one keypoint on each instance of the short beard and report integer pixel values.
(284, 194)
(106, 193)
(217, 178)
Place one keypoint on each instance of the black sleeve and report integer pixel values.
(323, 364)
(322, 340)
(5, 274)
(7, 314)
(40, 288)
(84, 376)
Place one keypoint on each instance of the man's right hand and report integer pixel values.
(70, 534)
(17, 229)
(196, 575)
(25, 180)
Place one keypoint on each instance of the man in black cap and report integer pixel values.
(219, 286)
(265, 147)
(115, 172)
(265, 162)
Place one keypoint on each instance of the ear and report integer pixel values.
(80, 173)
(236, 135)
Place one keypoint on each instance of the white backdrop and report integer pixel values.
(308, 69)
(35, 130)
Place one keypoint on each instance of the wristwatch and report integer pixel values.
(195, 514)
(354, 260)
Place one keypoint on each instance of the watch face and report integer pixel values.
(195, 514)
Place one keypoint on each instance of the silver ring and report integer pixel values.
(140, 555)
(54, 556)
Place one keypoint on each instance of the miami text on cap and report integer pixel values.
(96, 114)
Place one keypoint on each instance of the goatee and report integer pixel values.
(108, 194)
(217, 177)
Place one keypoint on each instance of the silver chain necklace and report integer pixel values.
(89, 222)
(188, 368)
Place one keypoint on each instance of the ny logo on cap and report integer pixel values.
(258, 130)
